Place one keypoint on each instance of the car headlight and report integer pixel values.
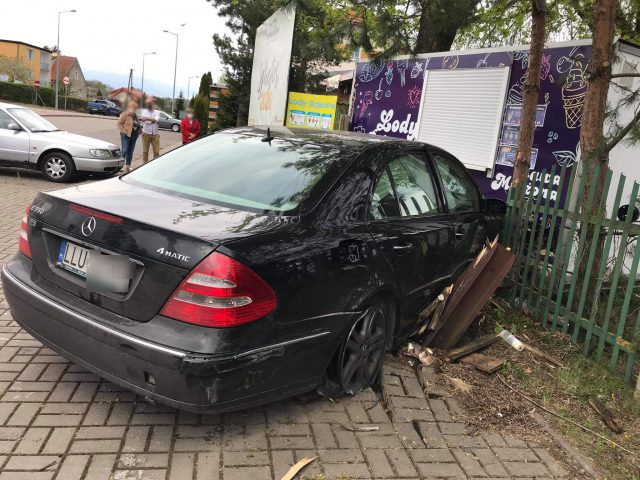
(100, 153)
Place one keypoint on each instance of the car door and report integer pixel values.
(463, 206)
(411, 229)
(164, 121)
(14, 144)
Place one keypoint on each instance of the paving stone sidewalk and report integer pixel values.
(58, 421)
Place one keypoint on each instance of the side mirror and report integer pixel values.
(494, 206)
(15, 127)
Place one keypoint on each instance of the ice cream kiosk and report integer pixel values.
(470, 103)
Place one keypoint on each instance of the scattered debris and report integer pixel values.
(459, 304)
(474, 346)
(607, 415)
(484, 363)
(425, 355)
(294, 470)
(511, 339)
(372, 428)
(557, 415)
(458, 384)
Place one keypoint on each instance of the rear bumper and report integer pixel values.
(98, 165)
(197, 382)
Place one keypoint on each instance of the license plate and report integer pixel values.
(73, 258)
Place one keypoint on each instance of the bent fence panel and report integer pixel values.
(576, 266)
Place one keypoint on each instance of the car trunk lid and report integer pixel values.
(163, 236)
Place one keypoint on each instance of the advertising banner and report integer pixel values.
(387, 97)
(311, 111)
(270, 73)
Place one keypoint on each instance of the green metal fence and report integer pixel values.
(576, 265)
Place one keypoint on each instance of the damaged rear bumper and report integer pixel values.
(193, 381)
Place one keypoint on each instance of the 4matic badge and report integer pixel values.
(177, 256)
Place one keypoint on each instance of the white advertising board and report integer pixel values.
(270, 73)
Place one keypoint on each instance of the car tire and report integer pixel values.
(362, 352)
(175, 128)
(57, 167)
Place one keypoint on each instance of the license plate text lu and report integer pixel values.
(73, 257)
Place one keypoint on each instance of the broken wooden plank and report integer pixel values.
(606, 415)
(483, 363)
(474, 346)
(294, 470)
(457, 317)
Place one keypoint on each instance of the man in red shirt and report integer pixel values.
(190, 127)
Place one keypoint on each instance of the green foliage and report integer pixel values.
(180, 105)
(201, 112)
(205, 84)
(22, 93)
(15, 68)
(97, 88)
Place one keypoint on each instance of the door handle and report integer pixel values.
(403, 248)
(460, 234)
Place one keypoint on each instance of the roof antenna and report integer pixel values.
(268, 137)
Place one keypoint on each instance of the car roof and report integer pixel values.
(333, 138)
(10, 105)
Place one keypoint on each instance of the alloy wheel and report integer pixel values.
(363, 351)
(55, 167)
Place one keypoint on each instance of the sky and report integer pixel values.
(109, 38)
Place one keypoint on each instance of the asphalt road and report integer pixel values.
(103, 128)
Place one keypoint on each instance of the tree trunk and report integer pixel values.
(592, 140)
(530, 92)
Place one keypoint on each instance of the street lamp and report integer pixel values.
(189, 86)
(58, 51)
(144, 55)
(175, 70)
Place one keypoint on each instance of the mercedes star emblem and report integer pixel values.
(88, 226)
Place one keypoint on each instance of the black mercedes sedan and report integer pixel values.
(248, 266)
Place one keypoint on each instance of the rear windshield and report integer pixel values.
(240, 170)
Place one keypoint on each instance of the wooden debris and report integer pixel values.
(483, 363)
(606, 415)
(431, 315)
(473, 346)
(425, 355)
(458, 384)
(469, 294)
(543, 355)
(373, 428)
(294, 470)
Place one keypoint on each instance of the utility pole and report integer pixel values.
(144, 55)
(175, 68)
(189, 87)
(58, 54)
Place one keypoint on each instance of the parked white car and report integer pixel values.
(29, 141)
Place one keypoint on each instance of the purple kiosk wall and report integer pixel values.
(387, 98)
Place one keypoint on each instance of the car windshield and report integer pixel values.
(32, 120)
(240, 170)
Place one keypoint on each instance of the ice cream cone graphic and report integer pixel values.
(573, 93)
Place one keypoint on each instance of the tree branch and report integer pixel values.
(622, 133)
(625, 75)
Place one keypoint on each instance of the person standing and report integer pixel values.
(150, 118)
(129, 126)
(190, 127)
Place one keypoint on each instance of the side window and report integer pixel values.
(5, 120)
(414, 185)
(384, 203)
(459, 189)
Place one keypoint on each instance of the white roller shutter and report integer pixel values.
(462, 113)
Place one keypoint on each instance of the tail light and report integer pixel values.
(220, 292)
(23, 240)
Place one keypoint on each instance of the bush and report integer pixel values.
(23, 93)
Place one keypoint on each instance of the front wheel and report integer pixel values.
(57, 167)
(175, 128)
(362, 353)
